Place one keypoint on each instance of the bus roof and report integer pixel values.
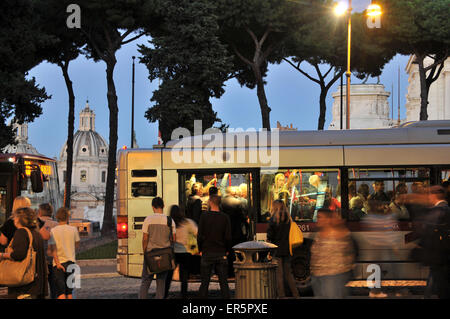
(425, 132)
(7, 156)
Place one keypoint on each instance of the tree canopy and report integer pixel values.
(190, 62)
(20, 96)
(420, 28)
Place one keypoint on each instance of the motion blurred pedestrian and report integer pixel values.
(26, 227)
(278, 234)
(435, 241)
(184, 245)
(379, 225)
(332, 256)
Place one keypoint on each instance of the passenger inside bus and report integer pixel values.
(303, 192)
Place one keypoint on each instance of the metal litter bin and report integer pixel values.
(255, 271)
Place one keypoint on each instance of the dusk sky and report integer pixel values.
(292, 97)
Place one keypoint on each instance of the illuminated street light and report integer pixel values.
(374, 10)
(340, 9)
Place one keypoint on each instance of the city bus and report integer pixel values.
(33, 176)
(303, 168)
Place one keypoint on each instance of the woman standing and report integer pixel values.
(25, 219)
(332, 256)
(184, 247)
(8, 229)
(278, 234)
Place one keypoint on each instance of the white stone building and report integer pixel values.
(438, 97)
(369, 107)
(89, 170)
(22, 146)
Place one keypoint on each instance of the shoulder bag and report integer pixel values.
(161, 259)
(19, 273)
(295, 236)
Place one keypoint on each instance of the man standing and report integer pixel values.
(435, 241)
(46, 224)
(214, 243)
(158, 232)
(64, 240)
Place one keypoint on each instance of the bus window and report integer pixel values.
(304, 191)
(386, 185)
(445, 175)
(234, 188)
(50, 193)
(148, 189)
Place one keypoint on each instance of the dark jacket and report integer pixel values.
(20, 244)
(214, 233)
(435, 235)
(278, 234)
(233, 208)
(194, 208)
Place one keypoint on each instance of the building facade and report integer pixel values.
(369, 107)
(438, 97)
(89, 170)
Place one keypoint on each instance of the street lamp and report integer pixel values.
(373, 11)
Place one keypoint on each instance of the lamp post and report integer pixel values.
(348, 73)
(340, 9)
(132, 106)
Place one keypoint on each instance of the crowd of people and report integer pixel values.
(212, 239)
(53, 241)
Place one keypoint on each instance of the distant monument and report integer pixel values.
(369, 107)
(89, 170)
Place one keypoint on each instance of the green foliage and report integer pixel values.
(20, 39)
(416, 26)
(191, 63)
(107, 251)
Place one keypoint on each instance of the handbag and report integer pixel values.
(161, 259)
(19, 273)
(295, 236)
(192, 245)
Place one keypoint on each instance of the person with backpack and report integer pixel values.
(159, 231)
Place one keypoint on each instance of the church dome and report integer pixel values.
(87, 143)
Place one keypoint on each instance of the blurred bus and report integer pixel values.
(33, 176)
(312, 167)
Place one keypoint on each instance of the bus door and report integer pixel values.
(235, 186)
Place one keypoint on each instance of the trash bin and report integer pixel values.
(255, 271)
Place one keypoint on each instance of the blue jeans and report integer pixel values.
(147, 281)
(330, 287)
(219, 263)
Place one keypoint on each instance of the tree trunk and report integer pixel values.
(265, 109)
(323, 106)
(70, 129)
(108, 225)
(423, 88)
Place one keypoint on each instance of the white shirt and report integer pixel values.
(64, 237)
